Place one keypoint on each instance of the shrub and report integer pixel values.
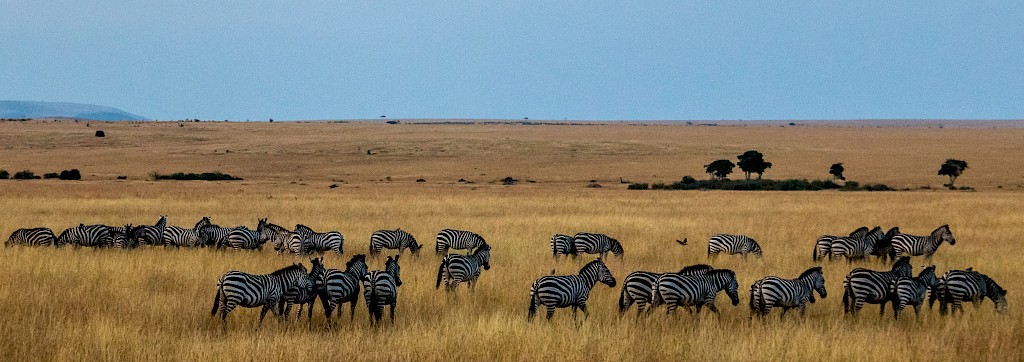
(688, 180)
(4, 175)
(122, 177)
(50, 175)
(594, 185)
(421, 180)
(637, 186)
(25, 175)
(100, 133)
(73, 174)
(509, 181)
(205, 176)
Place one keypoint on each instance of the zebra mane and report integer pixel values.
(588, 266)
(303, 227)
(357, 257)
(810, 271)
(275, 227)
(290, 268)
(481, 248)
(717, 272)
(859, 233)
(696, 268)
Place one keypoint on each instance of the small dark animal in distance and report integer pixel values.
(681, 242)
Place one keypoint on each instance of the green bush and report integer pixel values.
(25, 175)
(71, 174)
(205, 176)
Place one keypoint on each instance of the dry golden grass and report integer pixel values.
(154, 303)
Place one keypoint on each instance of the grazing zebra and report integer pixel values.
(458, 268)
(772, 292)
(86, 235)
(380, 288)
(243, 238)
(883, 246)
(910, 245)
(178, 236)
(305, 293)
(32, 237)
(123, 237)
(732, 244)
(560, 291)
(700, 290)
(321, 242)
(236, 288)
(958, 286)
(151, 235)
(562, 245)
(904, 291)
(596, 244)
(339, 287)
(457, 239)
(393, 239)
(638, 287)
(869, 286)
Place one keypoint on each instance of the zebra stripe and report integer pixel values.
(393, 239)
(869, 286)
(771, 292)
(339, 287)
(910, 245)
(638, 287)
(596, 244)
(560, 291)
(305, 293)
(562, 245)
(32, 237)
(851, 248)
(457, 239)
(911, 291)
(380, 288)
(732, 244)
(178, 236)
(458, 268)
(236, 288)
(694, 290)
(151, 235)
(86, 235)
(243, 238)
(123, 237)
(957, 286)
(321, 242)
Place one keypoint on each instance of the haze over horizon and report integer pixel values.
(543, 60)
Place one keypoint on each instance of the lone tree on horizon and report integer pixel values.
(752, 162)
(952, 168)
(837, 171)
(719, 169)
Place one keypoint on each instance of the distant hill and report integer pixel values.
(31, 109)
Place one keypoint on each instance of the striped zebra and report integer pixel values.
(123, 237)
(86, 235)
(858, 245)
(910, 245)
(771, 292)
(178, 236)
(560, 291)
(339, 287)
(458, 268)
(596, 244)
(151, 235)
(905, 290)
(869, 286)
(823, 246)
(958, 286)
(236, 288)
(243, 238)
(562, 245)
(214, 235)
(380, 288)
(732, 244)
(32, 237)
(305, 293)
(393, 239)
(321, 242)
(883, 246)
(459, 240)
(284, 240)
(676, 290)
(638, 287)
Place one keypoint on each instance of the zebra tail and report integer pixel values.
(533, 305)
(440, 272)
(216, 299)
(622, 299)
(847, 295)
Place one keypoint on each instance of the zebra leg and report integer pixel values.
(551, 311)
(392, 310)
(574, 307)
(640, 306)
(713, 308)
(857, 305)
(917, 312)
(881, 309)
(352, 310)
(263, 313)
(784, 311)
(803, 309)
(583, 308)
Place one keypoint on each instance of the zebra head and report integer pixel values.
(599, 272)
(927, 276)
(616, 247)
(996, 293)
(202, 223)
(944, 235)
(731, 286)
(483, 254)
(414, 247)
(816, 278)
(317, 271)
(357, 266)
(902, 267)
(391, 267)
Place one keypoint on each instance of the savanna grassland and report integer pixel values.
(154, 303)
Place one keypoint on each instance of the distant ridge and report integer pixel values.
(34, 109)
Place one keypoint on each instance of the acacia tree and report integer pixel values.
(837, 171)
(752, 162)
(952, 168)
(719, 169)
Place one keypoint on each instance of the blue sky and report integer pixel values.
(539, 59)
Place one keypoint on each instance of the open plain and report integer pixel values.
(154, 303)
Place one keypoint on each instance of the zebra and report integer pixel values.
(910, 245)
(457, 268)
(380, 288)
(457, 239)
(86, 235)
(243, 238)
(676, 290)
(236, 288)
(214, 235)
(869, 286)
(151, 235)
(957, 286)
(393, 239)
(596, 244)
(305, 293)
(637, 287)
(823, 246)
(123, 237)
(179, 236)
(562, 245)
(284, 239)
(858, 245)
(339, 287)
(321, 242)
(771, 292)
(905, 290)
(32, 237)
(883, 246)
(732, 244)
(560, 291)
